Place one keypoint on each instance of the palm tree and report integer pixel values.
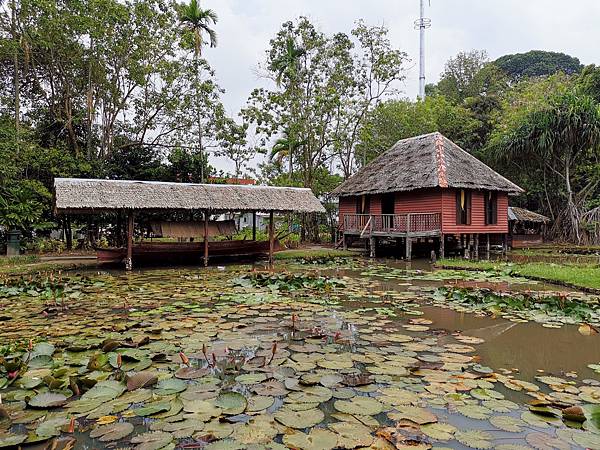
(287, 66)
(198, 21)
(284, 147)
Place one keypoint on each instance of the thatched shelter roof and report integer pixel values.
(426, 161)
(74, 195)
(524, 215)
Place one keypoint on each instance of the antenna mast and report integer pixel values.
(421, 24)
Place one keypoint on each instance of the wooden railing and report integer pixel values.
(366, 224)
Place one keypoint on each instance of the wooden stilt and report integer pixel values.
(205, 238)
(253, 225)
(372, 246)
(408, 248)
(344, 243)
(271, 239)
(476, 249)
(504, 245)
(487, 246)
(442, 247)
(129, 259)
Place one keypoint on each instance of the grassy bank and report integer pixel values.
(581, 276)
(313, 254)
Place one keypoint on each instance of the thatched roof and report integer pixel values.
(85, 196)
(524, 215)
(426, 161)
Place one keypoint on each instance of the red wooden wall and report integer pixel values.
(437, 200)
(478, 225)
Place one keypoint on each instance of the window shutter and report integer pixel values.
(458, 208)
(468, 206)
(494, 208)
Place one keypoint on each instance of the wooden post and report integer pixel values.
(487, 246)
(129, 259)
(344, 243)
(504, 245)
(408, 238)
(442, 247)
(372, 246)
(205, 238)
(253, 225)
(271, 239)
(476, 249)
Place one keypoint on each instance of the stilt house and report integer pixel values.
(426, 187)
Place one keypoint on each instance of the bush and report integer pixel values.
(46, 245)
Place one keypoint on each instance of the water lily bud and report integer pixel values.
(30, 344)
(71, 425)
(119, 360)
(184, 359)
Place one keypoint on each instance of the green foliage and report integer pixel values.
(537, 63)
(288, 281)
(399, 119)
(19, 260)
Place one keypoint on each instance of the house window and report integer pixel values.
(491, 208)
(363, 204)
(463, 207)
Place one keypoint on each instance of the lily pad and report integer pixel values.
(141, 380)
(474, 438)
(351, 435)
(48, 400)
(232, 403)
(112, 432)
(359, 405)
(299, 419)
(317, 439)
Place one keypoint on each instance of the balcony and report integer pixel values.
(412, 224)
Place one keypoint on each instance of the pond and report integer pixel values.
(350, 354)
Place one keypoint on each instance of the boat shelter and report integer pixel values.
(527, 228)
(93, 196)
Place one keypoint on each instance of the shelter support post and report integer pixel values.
(129, 259)
(372, 247)
(271, 239)
(344, 242)
(442, 248)
(476, 249)
(205, 238)
(253, 225)
(504, 244)
(408, 247)
(487, 246)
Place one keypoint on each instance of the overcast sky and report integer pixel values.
(497, 26)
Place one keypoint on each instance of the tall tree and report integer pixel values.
(198, 21)
(561, 137)
(287, 68)
(459, 81)
(537, 63)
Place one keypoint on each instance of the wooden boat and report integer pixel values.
(184, 252)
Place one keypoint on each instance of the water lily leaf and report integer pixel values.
(317, 439)
(311, 394)
(152, 408)
(42, 348)
(414, 414)
(474, 438)
(261, 430)
(439, 431)
(47, 400)
(226, 444)
(542, 441)
(232, 403)
(351, 435)
(112, 432)
(191, 373)
(299, 419)
(219, 430)
(40, 361)
(170, 386)
(271, 388)
(475, 411)
(592, 415)
(511, 447)
(106, 390)
(203, 407)
(587, 440)
(359, 405)
(141, 380)
(11, 440)
(152, 440)
(501, 406)
(259, 403)
(51, 427)
(486, 394)
(508, 423)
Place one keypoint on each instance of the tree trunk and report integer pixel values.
(90, 103)
(17, 78)
(199, 115)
